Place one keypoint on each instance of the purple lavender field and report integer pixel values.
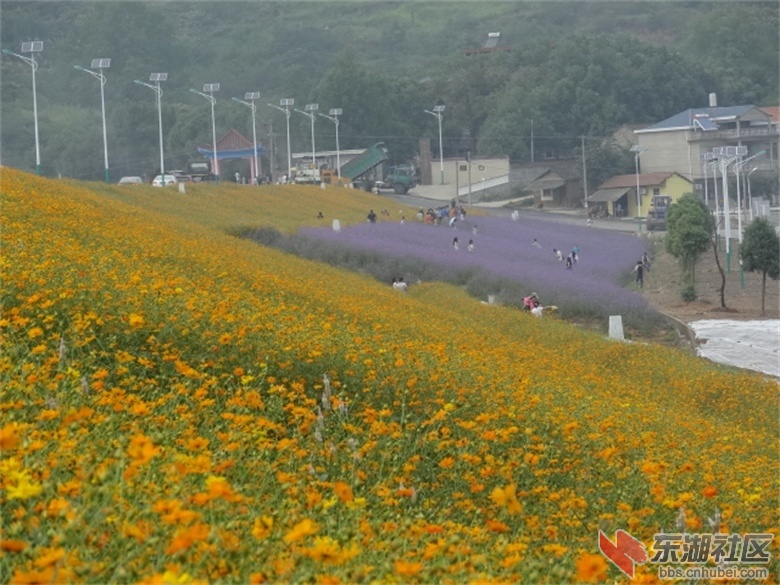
(504, 248)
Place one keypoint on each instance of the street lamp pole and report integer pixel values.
(437, 113)
(714, 165)
(286, 103)
(726, 155)
(252, 96)
(157, 78)
(334, 117)
(637, 150)
(750, 195)
(706, 158)
(737, 169)
(100, 64)
(32, 47)
(208, 93)
(309, 109)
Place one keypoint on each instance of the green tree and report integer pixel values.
(604, 159)
(760, 252)
(689, 227)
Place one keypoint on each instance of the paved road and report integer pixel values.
(569, 217)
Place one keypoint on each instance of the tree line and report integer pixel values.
(383, 65)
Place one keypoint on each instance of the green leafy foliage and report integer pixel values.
(760, 252)
(689, 227)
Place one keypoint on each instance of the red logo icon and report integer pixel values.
(624, 553)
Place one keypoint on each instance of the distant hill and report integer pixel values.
(383, 62)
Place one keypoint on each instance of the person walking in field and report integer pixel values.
(639, 269)
(455, 243)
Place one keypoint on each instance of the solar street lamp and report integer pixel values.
(32, 47)
(737, 168)
(208, 93)
(286, 103)
(252, 96)
(726, 155)
(334, 117)
(706, 158)
(309, 113)
(100, 64)
(637, 150)
(157, 78)
(750, 195)
(437, 113)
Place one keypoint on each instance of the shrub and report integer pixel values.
(688, 293)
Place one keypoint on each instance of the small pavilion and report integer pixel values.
(235, 145)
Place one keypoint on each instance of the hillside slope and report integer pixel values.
(164, 398)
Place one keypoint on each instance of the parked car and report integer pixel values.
(131, 181)
(169, 180)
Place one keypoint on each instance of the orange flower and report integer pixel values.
(186, 537)
(496, 526)
(343, 491)
(9, 437)
(141, 449)
(709, 492)
(407, 568)
(447, 462)
(12, 545)
(33, 577)
(591, 568)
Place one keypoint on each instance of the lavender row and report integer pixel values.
(521, 250)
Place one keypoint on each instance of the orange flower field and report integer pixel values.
(180, 405)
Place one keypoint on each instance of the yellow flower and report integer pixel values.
(304, 528)
(24, 488)
(506, 497)
(262, 527)
(135, 320)
(35, 332)
(329, 551)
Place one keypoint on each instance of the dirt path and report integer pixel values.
(663, 284)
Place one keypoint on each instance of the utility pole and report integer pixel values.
(272, 156)
(468, 158)
(532, 140)
(584, 173)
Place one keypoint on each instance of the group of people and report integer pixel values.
(450, 213)
(456, 244)
(571, 259)
(531, 303)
